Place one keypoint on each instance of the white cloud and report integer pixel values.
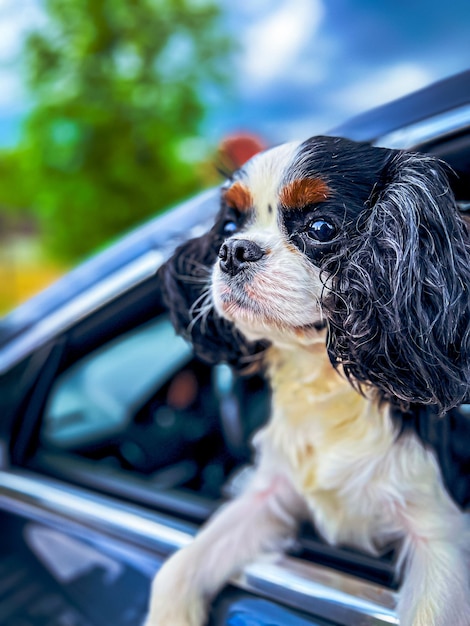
(381, 86)
(12, 95)
(17, 19)
(273, 42)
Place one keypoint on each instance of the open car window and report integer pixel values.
(96, 397)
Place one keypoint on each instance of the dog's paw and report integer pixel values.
(175, 598)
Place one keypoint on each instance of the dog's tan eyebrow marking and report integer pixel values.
(239, 197)
(303, 191)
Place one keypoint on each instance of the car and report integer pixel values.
(116, 444)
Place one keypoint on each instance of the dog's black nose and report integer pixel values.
(234, 255)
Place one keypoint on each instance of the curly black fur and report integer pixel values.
(398, 299)
(185, 282)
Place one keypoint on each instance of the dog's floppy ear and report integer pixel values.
(399, 302)
(185, 282)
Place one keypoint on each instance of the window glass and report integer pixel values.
(97, 397)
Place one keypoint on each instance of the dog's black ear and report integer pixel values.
(185, 283)
(399, 304)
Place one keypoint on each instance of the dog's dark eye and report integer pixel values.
(320, 230)
(229, 227)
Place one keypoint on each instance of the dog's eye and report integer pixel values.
(229, 227)
(320, 230)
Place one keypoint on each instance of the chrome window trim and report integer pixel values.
(78, 308)
(314, 589)
(431, 129)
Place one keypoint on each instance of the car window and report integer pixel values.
(141, 413)
(97, 396)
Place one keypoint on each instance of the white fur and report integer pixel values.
(327, 452)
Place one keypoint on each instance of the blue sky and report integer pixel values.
(303, 66)
(308, 65)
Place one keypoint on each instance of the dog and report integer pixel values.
(343, 270)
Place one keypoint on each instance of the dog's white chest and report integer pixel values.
(333, 443)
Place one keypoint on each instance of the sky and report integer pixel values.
(302, 66)
(308, 65)
(17, 18)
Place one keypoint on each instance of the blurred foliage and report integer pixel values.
(14, 194)
(117, 88)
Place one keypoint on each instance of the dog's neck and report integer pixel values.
(306, 387)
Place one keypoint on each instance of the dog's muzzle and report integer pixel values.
(236, 254)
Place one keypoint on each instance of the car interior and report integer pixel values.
(122, 406)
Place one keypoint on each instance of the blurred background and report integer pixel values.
(114, 110)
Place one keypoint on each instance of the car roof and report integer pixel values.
(431, 102)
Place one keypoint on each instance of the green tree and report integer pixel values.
(117, 90)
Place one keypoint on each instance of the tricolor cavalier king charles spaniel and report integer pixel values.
(344, 269)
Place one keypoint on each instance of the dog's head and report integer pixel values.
(367, 240)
